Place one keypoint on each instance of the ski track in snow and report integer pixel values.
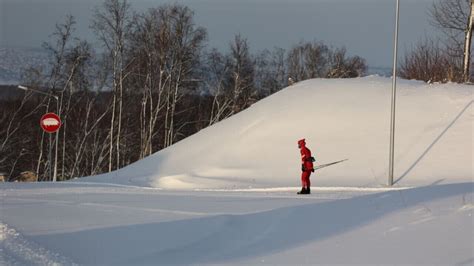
(17, 250)
(315, 189)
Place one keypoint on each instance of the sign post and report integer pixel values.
(50, 123)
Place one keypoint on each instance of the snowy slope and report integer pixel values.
(340, 118)
(66, 223)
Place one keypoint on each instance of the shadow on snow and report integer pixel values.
(225, 237)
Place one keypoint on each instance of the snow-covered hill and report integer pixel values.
(340, 118)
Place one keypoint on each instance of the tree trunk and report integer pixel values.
(168, 108)
(143, 118)
(40, 156)
(119, 118)
(467, 44)
(173, 110)
(112, 120)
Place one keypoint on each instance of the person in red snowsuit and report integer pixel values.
(306, 167)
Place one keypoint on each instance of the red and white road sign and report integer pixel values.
(50, 122)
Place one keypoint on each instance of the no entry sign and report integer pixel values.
(50, 122)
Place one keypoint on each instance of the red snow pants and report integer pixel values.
(305, 182)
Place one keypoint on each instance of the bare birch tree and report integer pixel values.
(242, 74)
(316, 60)
(218, 71)
(270, 71)
(186, 42)
(456, 20)
(167, 45)
(111, 24)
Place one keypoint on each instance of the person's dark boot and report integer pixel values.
(303, 191)
(308, 190)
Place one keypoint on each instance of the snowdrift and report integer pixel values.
(340, 118)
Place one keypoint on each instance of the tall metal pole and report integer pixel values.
(55, 172)
(50, 157)
(394, 89)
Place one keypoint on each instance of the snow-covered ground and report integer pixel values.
(227, 194)
(110, 225)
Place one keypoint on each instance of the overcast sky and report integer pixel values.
(364, 27)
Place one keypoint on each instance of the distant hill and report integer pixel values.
(381, 71)
(14, 60)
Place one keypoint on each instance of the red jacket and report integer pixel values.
(305, 156)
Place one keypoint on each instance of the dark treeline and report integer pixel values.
(153, 83)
